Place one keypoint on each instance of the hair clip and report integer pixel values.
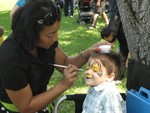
(41, 21)
(48, 14)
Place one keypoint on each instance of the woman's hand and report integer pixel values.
(69, 75)
(94, 48)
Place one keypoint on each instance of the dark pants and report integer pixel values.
(113, 9)
(123, 42)
(69, 4)
(60, 3)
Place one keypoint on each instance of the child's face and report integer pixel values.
(96, 73)
(109, 38)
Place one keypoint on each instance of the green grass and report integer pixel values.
(73, 38)
(5, 7)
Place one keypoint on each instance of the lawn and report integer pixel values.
(73, 38)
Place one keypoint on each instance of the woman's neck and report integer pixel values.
(34, 52)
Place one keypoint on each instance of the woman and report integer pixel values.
(25, 57)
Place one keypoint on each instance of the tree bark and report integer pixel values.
(135, 17)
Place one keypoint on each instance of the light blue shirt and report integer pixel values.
(104, 98)
(20, 3)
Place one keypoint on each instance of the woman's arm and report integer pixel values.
(27, 103)
(63, 59)
(78, 60)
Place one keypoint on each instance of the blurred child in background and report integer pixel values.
(1, 34)
(113, 33)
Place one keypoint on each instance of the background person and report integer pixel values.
(69, 8)
(2, 30)
(18, 4)
(113, 33)
(110, 36)
(60, 3)
(26, 55)
(99, 7)
(115, 16)
(103, 96)
(113, 9)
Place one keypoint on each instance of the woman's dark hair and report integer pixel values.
(30, 19)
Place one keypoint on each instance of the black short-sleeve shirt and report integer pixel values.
(18, 68)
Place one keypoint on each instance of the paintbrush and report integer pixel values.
(62, 66)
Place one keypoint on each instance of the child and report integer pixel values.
(102, 96)
(108, 35)
(1, 34)
(115, 31)
(118, 42)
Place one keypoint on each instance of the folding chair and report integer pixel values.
(77, 99)
(78, 102)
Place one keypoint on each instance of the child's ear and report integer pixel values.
(111, 77)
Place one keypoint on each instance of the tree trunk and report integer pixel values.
(135, 17)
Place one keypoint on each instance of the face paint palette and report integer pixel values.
(105, 48)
